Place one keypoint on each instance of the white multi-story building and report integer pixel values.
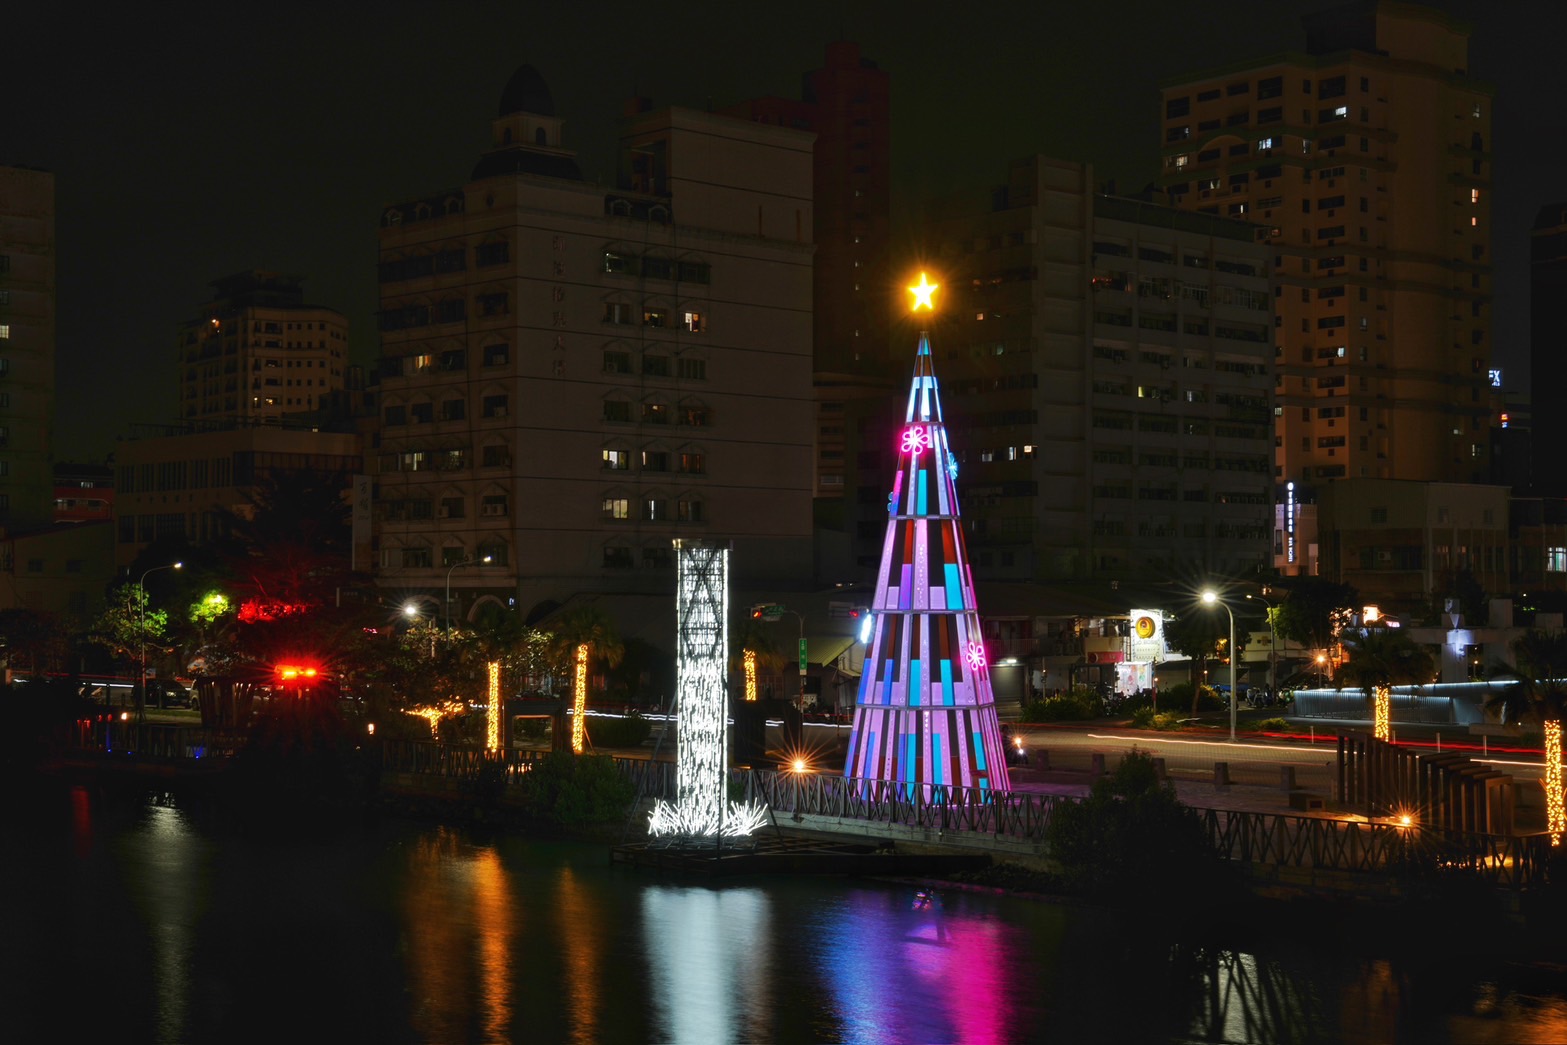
(258, 352)
(573, 375)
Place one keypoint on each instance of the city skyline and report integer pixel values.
(187, 150)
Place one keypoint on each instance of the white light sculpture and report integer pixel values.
(702, 809)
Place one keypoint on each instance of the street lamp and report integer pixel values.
(141, 634)
(411, 611)
(1273, 648)
(1210, 597)
(448, 603)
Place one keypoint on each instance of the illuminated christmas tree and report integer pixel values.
(926, 713)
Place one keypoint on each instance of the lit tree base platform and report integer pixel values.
(935, 746)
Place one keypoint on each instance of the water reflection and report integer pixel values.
(710, 975)
(192, 927)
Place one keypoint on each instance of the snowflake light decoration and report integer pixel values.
(976, 656)
(915, 439)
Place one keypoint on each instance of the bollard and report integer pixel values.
(1221, 774)
(1039, 758)
(1096, 764)
(1287, 777)
(1159, 771)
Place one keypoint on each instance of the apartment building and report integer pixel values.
(1106, 367)
(847, 104)
(572, 375)
(258, 352)
(1367, 158)
(1548, 348)
(27, 348)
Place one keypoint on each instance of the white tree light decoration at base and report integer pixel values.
(702, 809)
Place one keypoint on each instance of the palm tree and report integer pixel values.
(754, 652)
(1380, 659)
(1542, 687)
(497, 634)
(582, 635)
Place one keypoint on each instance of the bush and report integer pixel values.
(1179, 697)
(1080, 703)
(1147, 718)
(1130, 833)
(575, 790)
(1273, 724)
(631, 731)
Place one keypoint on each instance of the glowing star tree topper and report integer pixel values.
(922, 294)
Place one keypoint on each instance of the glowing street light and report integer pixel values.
(141, 634)
(1210, 597)
(448, 602)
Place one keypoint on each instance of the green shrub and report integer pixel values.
(1079, 704)
(575, 790)
(1147, 718)
(1179, 697)
(630, 731)
(1273, 724)
(1130, 834)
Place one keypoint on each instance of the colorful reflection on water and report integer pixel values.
(180, 924)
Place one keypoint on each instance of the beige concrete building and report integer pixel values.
(258, 352)
(27, 332)
(1368, 159)
(1106, 374)
(573, 375)
(1397, 542)
(181, 482)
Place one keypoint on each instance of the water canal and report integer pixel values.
(138, 918)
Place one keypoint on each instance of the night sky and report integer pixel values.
(190, 143)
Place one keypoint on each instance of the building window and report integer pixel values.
(5, 331)
(495, 456)
(615, 508)
(616, 460)
(692, 322)
(655, 461)
(655, 365)
(694, 415)
(655, 509)
(396, 415)
(617, 362)
(655, 413)
(451, 508)
(417, 558)
(1556, 560)
(693, 463)
(491, 254)
(655, 317)
(494, 406)
(421, 413)
(492, 504)
(693, 369)
(453, 409)
(497, 355)
(617, 410)
(617, 558)
(688, 510)
(616, 263)
(617, 312)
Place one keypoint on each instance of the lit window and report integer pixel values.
(617, 460)
(1556, 560)
(616, 508)
(693, 322)
(5, 331)
(1474, 195)
(1265, 143)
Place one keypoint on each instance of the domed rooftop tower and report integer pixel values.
(526, 135)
